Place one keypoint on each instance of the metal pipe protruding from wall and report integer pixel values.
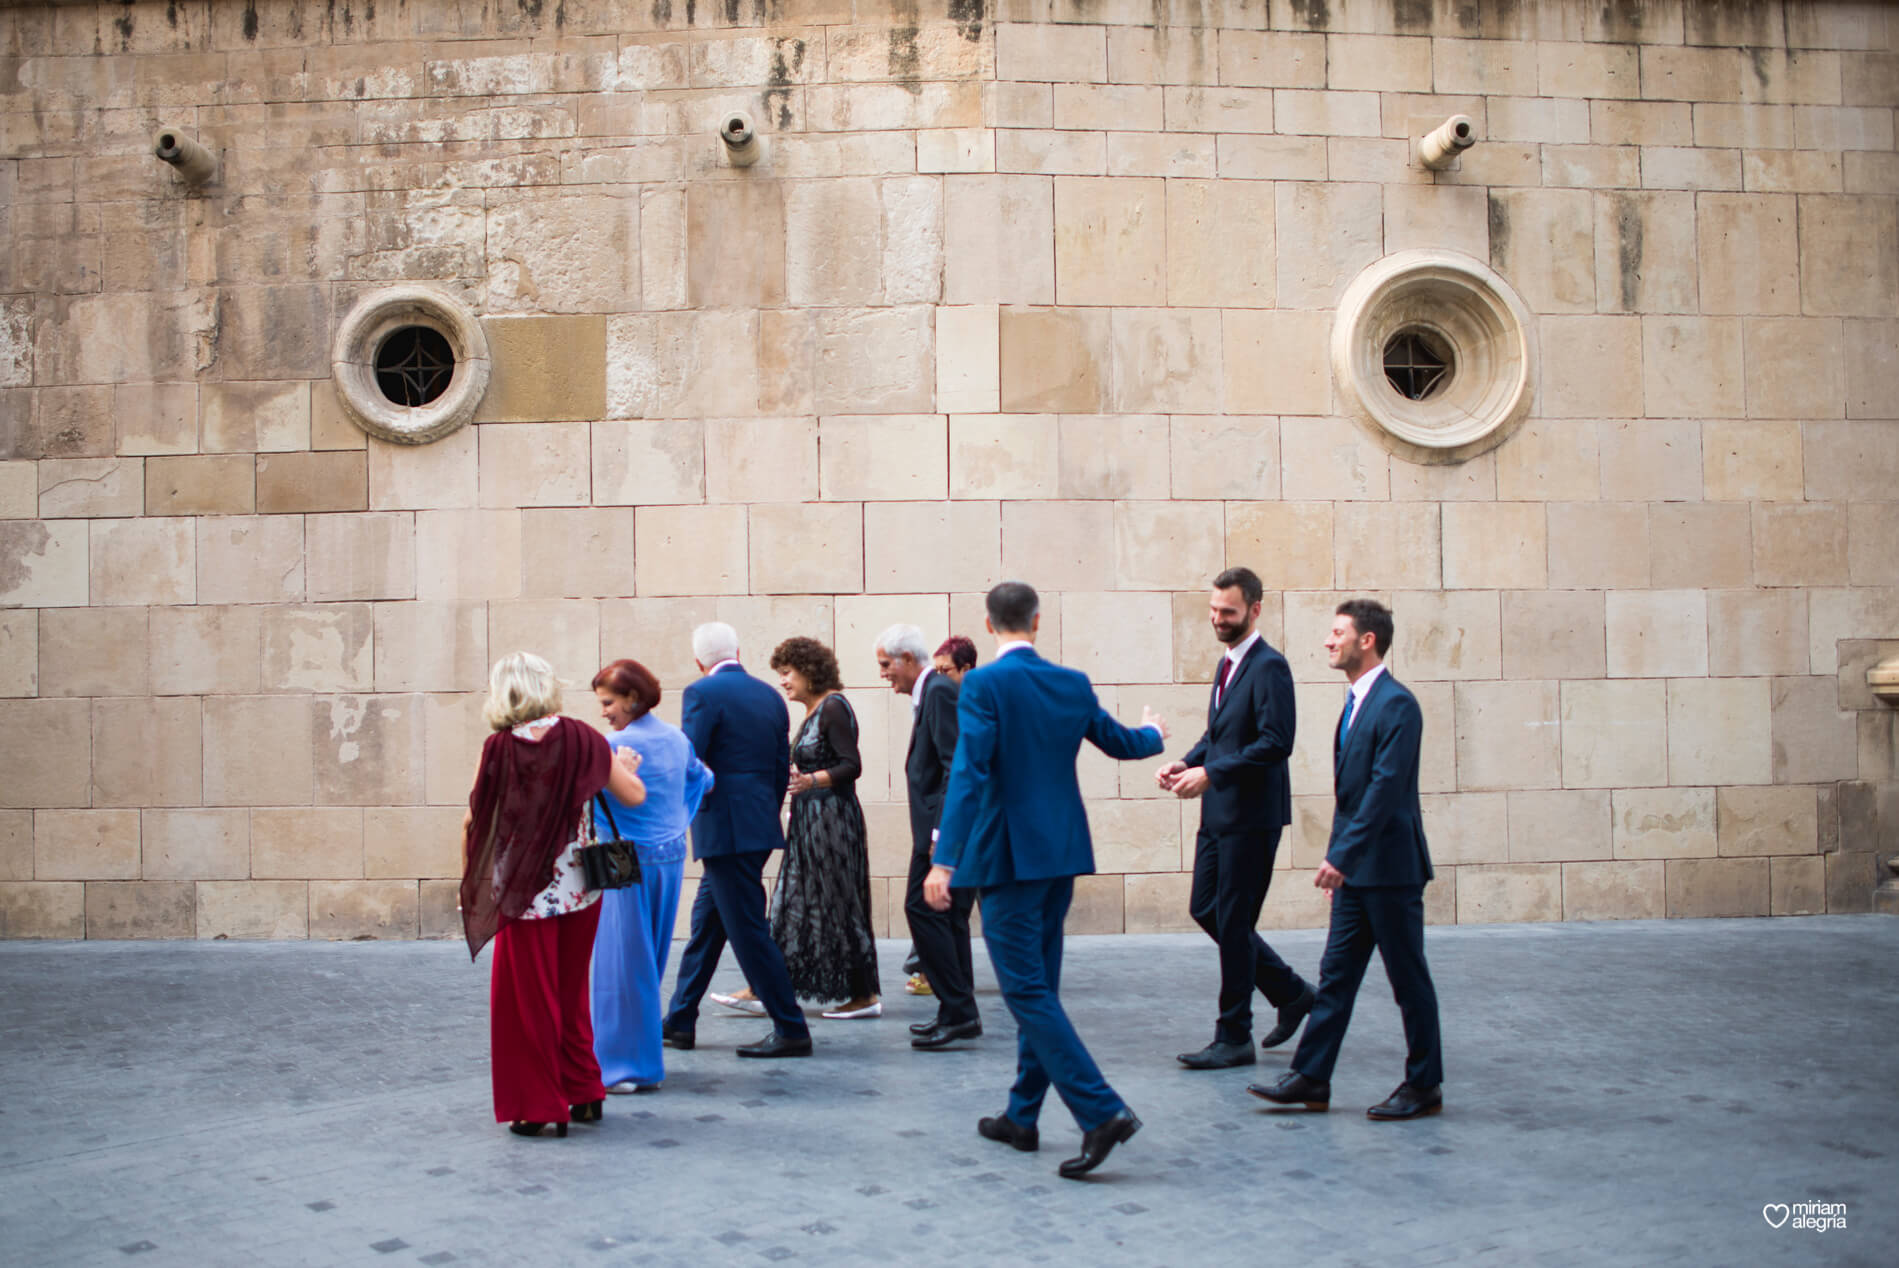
(1445, 142)
(742, 144)
(194, 163)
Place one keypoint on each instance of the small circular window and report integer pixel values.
(414, 365)
(1418, 363)
(410, 364)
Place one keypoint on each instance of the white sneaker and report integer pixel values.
(750, 1007)
(626, 1087)
(855, 1014)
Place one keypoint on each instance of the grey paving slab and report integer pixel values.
(1627, 1093)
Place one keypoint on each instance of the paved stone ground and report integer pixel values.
(1627, 1093)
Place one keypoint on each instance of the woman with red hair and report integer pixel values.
(636, 923)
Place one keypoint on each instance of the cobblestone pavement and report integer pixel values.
(1628, 1093)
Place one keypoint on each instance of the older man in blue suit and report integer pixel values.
(739, 727)
(1014, 829)
(1375, 869)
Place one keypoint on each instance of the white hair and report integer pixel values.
(521, 688)
(713, 642)
(899, 639)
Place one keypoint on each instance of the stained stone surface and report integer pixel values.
(1629, 1093)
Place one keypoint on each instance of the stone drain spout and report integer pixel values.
(194, 163)
(742, 144)
(1444, 143)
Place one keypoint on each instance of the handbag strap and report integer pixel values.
(606, 808)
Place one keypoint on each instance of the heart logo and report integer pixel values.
(1775, 1213)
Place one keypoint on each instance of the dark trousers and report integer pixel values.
(1391, 918)
(1022, 927)
(942, 943)
(1230, 876)
(731, 904)
(540, 1025)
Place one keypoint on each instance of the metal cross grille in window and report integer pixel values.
(414, 365)
(1414, 366)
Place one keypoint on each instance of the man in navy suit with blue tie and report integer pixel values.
(740, 729)
(1014, 829)
(1375, 869)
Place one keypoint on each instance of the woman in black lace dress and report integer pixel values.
(820, 912)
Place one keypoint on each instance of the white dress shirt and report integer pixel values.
(916, 690)
(1234, 655)
(1359, 688)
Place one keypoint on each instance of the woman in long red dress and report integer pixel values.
(522, 887)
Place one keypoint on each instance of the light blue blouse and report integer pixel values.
(676, 782)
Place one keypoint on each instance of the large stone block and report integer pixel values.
(1544, 241)
(253, 909)
(97, 652)
(1694, 544)
(412, 841)
(46, 750)
(1276, 361)
(968, 359)
(1796, 886)
(156, 418)
(144, 561)
(170, 335)
(303, 843)
(1220, 246)
(1815, 740)
(1615, 734)
(85, 845)
(832, 252)
(1872, 369)
(1752, 633)
(1799, 543)
(318, 647)
(1718, 731)
(1559, 827)
(42, 909)
(206, 650)
(1054, 360)
(1137, 836)
(1509, 893)
(257, 751)
(576, 252)
(250, 559)
(1508, 735)
(1326, 234)
(441, 915)
(1550, 462)
(72, 488)
(1717, 887)
(1692, 367)
(810, 548)
(1118, 637)
(141, 909)
(19, 652)
(1448, 634)
(1165, 360)
(1664, 823)
(359, 556)
(207, 484)
(1219, 457)
(683, 364)
(690, 549)
(999, 239)
(859, 620)
(564, 632)
(762, 459)
(1613, 891)
(441, 475)
(1586, 368)
(295, 483)
(1004, 456)
(1495, 545)
(866, 459)
(1059, 545)
(1762, 821)
(1166, 545)
(640, 463)
(1289, 544)
(1554, 634)
(1599, 545)
(431, 646)
(1329, 458)
(468, 555)
(254, 417)
(1657, 633)
(918, 547)
(1157, 903)
(362, 911)
(147, 751)
(1386, 544)
(545, 369)
(535, 464)
(194, 845)
(1795, 367)
(873, 361)
(453, 731)
(1752, 461)
(1461, 828)
(1849, 255)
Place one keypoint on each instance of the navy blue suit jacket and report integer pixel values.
(740, 728)
(1013, 811)
(1377, 823)
(1244, 751)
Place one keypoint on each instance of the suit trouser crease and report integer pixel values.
(629, 966)
(942, 944)
(730, 904)
(1022, 927)
(1390, 918)
(540, 1024)
(1231, 874)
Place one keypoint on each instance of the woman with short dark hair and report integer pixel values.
(636, 922)
(820, 911)
(956, 657)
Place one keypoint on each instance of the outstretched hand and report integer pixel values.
(1155, 720)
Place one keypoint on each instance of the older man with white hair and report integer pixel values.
(739, 727)
(941, 937)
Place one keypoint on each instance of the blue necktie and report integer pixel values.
(1345, 718)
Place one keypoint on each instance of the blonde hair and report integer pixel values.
(521, 688)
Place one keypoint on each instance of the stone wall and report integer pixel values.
(1041, 291)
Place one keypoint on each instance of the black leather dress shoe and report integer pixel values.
(680, 1039)
(1219, 1056)
(777, 1045)
(1294, 1088)
(1096, 1145)
(1286, 1025)
(925, 1027)
(1408, 1102)
(944, 1035)
(1009, 1132)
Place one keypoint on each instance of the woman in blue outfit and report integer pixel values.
(636, 923)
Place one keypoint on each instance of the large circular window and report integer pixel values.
(1435, 354)
(410, 363)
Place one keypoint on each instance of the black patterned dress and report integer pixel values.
(820, 912)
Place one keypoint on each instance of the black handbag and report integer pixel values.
(611, 864)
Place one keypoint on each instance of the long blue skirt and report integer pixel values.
(629, 960)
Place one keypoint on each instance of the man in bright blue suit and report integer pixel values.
(1375, 869)
(739, 727)
(1014, 828)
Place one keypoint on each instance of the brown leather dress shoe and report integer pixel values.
(1408, 1102)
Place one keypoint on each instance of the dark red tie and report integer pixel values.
(1219, 680)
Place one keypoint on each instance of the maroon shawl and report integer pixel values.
(526, 806)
